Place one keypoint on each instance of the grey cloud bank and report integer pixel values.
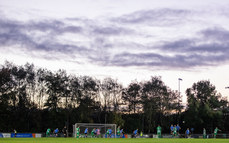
(158, 17)
(115, 41)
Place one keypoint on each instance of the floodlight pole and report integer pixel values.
(179, 79)
(105, 122)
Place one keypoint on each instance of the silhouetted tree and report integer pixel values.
(131, 96)
(205, 106)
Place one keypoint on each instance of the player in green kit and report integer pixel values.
(159, 131)
(48, 132)
(204, 133)
(108, 133)
(174, 131)
(92, 133)
(216, 131)
(77, 132)
(118, 132)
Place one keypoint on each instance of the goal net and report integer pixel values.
(102, 127)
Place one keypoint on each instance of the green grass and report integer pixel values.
(88, 140)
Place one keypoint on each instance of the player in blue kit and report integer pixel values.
(171, 129)
(85, 132)
(135, 133)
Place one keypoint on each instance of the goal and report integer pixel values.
(103, 128)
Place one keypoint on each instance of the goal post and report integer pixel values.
(102, 127)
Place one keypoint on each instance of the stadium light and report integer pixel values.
(179, 79)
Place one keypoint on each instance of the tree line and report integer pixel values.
(34, 99)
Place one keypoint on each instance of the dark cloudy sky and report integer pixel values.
(123, 39)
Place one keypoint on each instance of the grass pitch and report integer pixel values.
(102, 140)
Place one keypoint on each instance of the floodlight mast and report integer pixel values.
(178, 112)
(179, 79)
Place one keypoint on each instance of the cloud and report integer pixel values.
(111, 30)
(216, 34)
(119, 41)
(14, 33)
(211, 40)
(209, 48)
(157, 17)
(159, 61)
(54, 26)
(46, 36)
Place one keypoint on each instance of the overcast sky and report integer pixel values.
(123, 39)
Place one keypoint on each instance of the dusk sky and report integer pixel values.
(122, 39)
